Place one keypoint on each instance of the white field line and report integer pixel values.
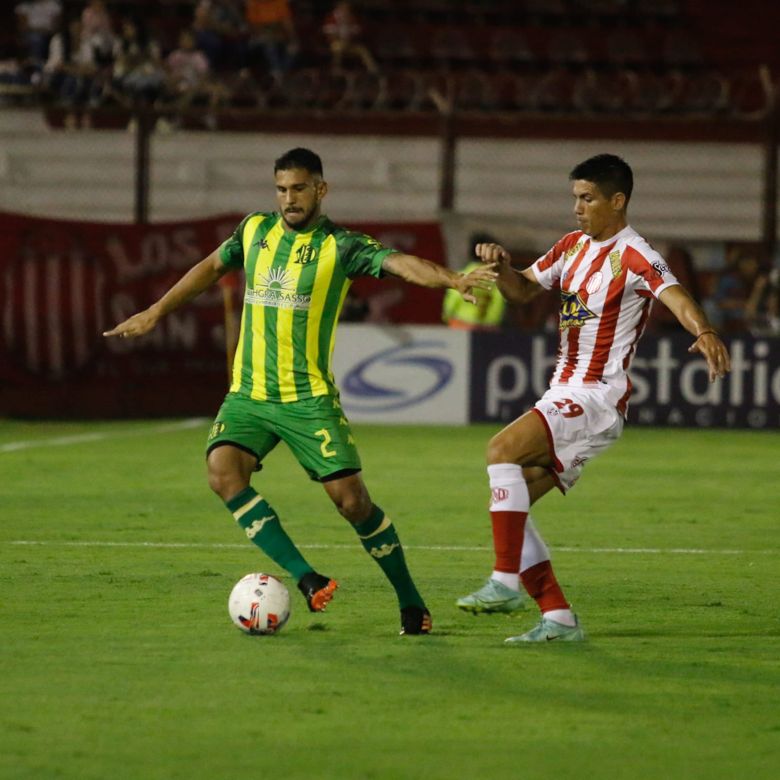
(82, 438)
(428, 548)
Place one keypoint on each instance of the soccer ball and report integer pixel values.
(259, 604)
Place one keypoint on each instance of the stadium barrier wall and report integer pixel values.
(63, 283)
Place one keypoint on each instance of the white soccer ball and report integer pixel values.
(259, 604)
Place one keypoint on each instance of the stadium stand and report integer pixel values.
(525, 57)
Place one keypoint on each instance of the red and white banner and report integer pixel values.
(63, 283)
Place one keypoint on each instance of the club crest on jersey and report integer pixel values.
(593, 285)
(305, 254)
(574, 312)
(615, 264)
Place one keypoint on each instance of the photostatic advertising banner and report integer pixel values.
(438, 376)
(670, 385)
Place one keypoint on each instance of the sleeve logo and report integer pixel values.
(661, 269)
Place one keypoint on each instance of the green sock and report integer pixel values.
(261, 525)
(380, 540)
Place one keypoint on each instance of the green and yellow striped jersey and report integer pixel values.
(296, 283)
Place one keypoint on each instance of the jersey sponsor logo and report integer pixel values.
(305, 254)
(593, 285)
(574, 312)
(574, 250)
(615, 264)
(277, 289)
(661, 269)
(370, 383)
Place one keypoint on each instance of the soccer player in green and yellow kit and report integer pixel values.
(298, 267)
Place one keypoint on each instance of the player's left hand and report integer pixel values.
(483, 278)
(714, 352)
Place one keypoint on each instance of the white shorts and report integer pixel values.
(580, 424)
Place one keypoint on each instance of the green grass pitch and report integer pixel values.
(118, 658)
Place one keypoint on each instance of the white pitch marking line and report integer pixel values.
(428, 548)
(83, 438)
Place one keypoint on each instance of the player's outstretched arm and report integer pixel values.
(426, 273)
(516, 286)
(694, 320)
(194, 282)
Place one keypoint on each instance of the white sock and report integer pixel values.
(509, 493)
(534, 549)
(563, 616)
(507, 578)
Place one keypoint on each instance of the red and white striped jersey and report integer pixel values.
(607, 289)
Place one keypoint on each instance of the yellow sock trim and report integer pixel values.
(239, 513)
(383, 526)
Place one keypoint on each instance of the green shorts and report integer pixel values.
(315, 430)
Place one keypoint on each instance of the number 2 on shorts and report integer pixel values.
(326, 440)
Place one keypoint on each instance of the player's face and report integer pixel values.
(299, 194)
(598, 216)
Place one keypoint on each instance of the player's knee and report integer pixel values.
(225, 483)
(220, 484)
(353, 506)
(500, 450)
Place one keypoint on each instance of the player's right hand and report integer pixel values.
(137, 325)
(492, 253)
(482, 277)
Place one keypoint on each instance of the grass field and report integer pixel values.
(118, 659)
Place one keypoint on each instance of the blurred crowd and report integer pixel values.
(398, 56)
(190, 60)
(226, 52)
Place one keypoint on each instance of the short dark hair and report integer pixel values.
(299, 158)
(611, 173)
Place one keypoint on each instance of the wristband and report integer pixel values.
(705, 332)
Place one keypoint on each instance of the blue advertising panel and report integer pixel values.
(509, 371)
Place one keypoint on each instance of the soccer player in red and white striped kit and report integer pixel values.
(607, 276)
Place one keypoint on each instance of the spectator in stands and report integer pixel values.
(488, 311)
(217, 26)
(729, 304)
(139, 74)
(244, 90)
(38, 20)
(763, 305)
(95, 20)
(272, 31)
(77, 72)
(343, 32)
(189, 79)
(99, 44)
